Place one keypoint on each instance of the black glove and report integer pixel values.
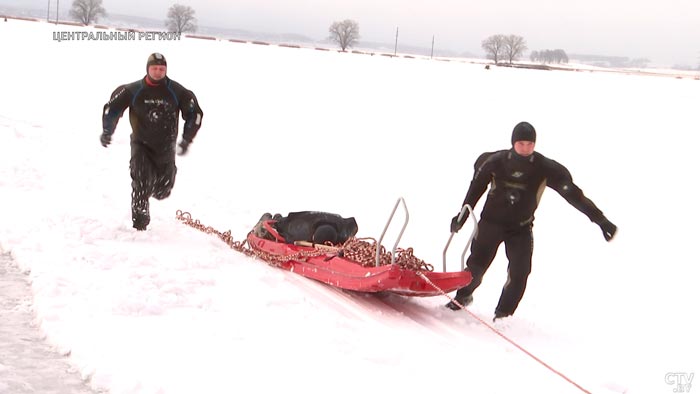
(105, 139)
(184, 145)
(456, 225)
(609, 229)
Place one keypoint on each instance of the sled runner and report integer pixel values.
(359, 265)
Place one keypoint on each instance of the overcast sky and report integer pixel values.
(664, 31)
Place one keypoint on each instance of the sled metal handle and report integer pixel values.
(391, 217)
(465, 208)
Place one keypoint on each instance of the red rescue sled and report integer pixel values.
(326, 265)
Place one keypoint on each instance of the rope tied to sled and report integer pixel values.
(503, 336)
(359, 250)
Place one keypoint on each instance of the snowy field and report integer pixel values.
(172, 310)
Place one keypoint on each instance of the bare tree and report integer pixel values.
(87, 11)
(345, 33)
(181, 18)
(560, 56)
(514, 47)
(494, 47)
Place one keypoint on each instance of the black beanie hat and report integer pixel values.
(523, 131)
(156, 59)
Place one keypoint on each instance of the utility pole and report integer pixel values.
(432, 47)
(57, 11)
(48, 11)
(396, 43)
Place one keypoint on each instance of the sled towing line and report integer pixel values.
(358, 264)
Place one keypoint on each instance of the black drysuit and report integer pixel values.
(517, 183)
(153, 114)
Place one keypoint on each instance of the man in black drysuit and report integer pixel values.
(517, 177)
(154, 103)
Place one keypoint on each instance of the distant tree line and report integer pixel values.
(179, 19)
(611, 61)
(346, 33)
(549, 56)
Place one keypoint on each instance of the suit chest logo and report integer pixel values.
(154, 101)
(159, 110)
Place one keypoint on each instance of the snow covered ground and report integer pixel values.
(172, 310)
